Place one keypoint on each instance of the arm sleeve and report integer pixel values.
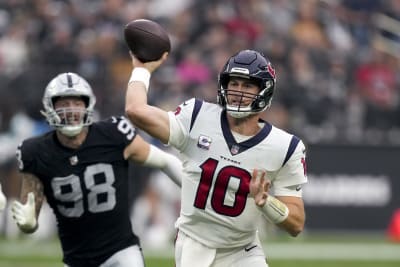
(292, 175)
(180, 121)
(25, 157)
(119, 129)
(167, 163)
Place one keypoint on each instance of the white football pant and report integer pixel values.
(190, 253)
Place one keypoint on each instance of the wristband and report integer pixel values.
(140, 74)
(275, 210)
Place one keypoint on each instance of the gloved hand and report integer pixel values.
(3, 200)
(25, 214)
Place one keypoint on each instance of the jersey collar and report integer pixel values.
(236, 148)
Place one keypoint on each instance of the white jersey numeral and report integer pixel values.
(19, 158)
(101, 196)
(125, 127)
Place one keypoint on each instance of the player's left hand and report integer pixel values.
(25, 214)
(3, 200)
(259, 187)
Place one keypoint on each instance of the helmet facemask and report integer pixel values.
(71, 120)
(68, 120)
(244, 103)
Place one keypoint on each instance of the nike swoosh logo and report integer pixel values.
(298, 188)
(250, 248)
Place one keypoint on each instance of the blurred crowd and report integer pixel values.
(337, 61)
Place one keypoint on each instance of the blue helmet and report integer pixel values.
(252, 65)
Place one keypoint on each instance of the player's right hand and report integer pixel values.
(3, 200)
(151, 66)
(25, 214)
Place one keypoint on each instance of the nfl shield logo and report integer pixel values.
(235, 149)
(73, 160)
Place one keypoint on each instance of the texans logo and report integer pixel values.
(271, 70)
(177, 110)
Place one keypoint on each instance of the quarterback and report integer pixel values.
(237, 167)
(81, 168)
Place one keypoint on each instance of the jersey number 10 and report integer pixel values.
(220, 188)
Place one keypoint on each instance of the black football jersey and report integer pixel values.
(87, 188)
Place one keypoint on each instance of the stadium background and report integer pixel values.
(338, 89)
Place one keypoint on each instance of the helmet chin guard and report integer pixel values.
(68, 85)
(252, 65)
(72, 130)
(240, 113)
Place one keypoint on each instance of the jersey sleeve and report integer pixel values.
(120, 130)
(25, 157)
(292, 175)
(180, 123)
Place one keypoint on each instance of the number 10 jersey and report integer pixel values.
(216, 208)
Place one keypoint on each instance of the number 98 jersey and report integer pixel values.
(87, 188)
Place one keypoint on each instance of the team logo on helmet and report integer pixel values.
(271, 70)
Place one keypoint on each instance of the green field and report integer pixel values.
(155, 262)
(309, 251)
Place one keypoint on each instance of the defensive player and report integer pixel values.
(231, 159)
(81, 168)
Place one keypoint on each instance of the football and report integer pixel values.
(146, 39)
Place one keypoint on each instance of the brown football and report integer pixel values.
(146, 39)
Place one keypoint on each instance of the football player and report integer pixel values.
(81, 168)
(231, 158)
(3, 200)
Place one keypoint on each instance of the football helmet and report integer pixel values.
(64, 85)
(252, 65)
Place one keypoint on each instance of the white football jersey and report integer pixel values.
(216, 207)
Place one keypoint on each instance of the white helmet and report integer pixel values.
(64, 85)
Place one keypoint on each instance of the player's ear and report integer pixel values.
(164, 56)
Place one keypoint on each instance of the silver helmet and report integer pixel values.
(64, 85)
